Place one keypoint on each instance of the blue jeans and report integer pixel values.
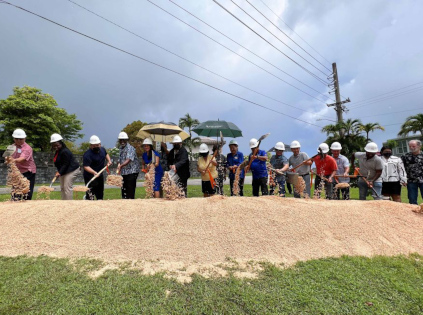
(281, 186)
(363, 190)
(413, 192)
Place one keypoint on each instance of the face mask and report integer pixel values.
(204, 154)
(369, 155)
(176, 146)
(96, 150)
(387, 155)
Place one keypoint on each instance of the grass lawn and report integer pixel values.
(346, 285)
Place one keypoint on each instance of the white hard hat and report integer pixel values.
(147, 141)
(279, 146)
(19, 134)
(94, 140)
(253, 143)
(123, 135)
(233, 142)
(371, 147)
(55, 137)
(336, 146)
(177, 139)
(203, 148)
(295, 144)
(323, 147)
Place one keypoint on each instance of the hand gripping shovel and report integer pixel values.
(256, 149)
(374, 190)
(95, 176)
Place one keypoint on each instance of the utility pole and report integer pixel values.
(339, 107)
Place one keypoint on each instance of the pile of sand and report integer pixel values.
(199, 235)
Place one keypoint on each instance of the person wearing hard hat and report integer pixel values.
(94, 160)
(128, 167)
(258, 159)
(413, 163)
(67, 166)
(371, 167)
(233, 160)
(206, 165)
(325, 170)
(151, 158)
(343, 171)
(221, 169)
(178, 162)
(393, 174)
(304, 170)
(23, 157)
(280, 165)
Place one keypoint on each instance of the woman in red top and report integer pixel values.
(326, 168)
(24, 161)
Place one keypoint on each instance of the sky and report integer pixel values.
(375, 44)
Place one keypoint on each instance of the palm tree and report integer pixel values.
(351, 126)
(367, 128)
(412, 124)
(188, 122)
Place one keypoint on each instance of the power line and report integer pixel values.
(286, 35)
(401, 111)
(243, 23)
(212, 39)
(156, 64)
(366, 99)
(294, 31)
(183, 58)
(388, 97)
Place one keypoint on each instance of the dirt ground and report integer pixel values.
(208, 236)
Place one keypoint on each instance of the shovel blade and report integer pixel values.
(291, 178)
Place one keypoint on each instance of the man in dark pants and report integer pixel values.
(178, 161)
(128, 167)
(94, 161)
(233, 160)
(258, 168)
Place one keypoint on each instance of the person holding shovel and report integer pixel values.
(206, 165)
(233, 160)
(66, 164)
(280, 165)
(128, 167)
(93, 162)
(179, 163)
(371, 167)
(151, 159)
(24, 162)
(326, 168)
(258, 159)
(295, 160)
(342, 172)
(221, 168)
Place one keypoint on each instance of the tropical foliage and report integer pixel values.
(188, 122)
(413, 124)
(370, 127)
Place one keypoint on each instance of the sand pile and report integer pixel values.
(201, 233)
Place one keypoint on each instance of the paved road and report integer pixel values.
(191, 182)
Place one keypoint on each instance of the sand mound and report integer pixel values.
(197, 234)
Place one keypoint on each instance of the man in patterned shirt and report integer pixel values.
(128, 167)
(413, 163)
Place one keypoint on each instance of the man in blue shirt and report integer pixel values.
(258, 159)
(233, 160)
(94, 161)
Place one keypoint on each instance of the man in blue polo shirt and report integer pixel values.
(233, 160)
(258, 168)
(94, 161)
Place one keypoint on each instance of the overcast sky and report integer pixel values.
(376, 44)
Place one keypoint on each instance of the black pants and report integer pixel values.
(31, 177)
(96, 187)
(129, 185)
(289, 187)
(240, 185)
(183, 183)
(260, 183)
(328, 188)
(345, 193)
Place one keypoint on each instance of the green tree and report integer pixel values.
(38, 114)
(412, 124)
(188, 122)
(367, 128)
(132, 130)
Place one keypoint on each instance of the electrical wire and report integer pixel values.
(191, 62)
(158, 65)
(402, 111)
(212, 39)
(286, 35)
(294, 31)
(243, 23)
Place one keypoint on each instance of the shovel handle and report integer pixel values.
(52, 182)
(95, 176)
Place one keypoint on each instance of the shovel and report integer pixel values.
(94, 177)
(9, 151)
(256, 149)
(374, 190)
(52, 182)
